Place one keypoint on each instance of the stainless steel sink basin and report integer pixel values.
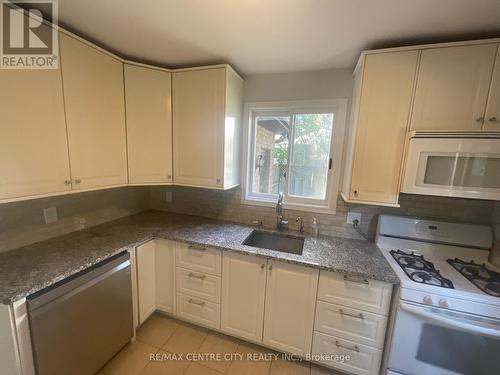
(275, 241)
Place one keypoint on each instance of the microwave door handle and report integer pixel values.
(450, 322)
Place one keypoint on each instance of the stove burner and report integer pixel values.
(431, 279)
(486, 280)
(420, 270)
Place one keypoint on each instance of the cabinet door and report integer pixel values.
(452, 88)
(165, 275)
(492, 117)
(146, 280)
(33, 146)
(290, 301)
(95, 114)
(384, 107)
(149, 124)
(243, 293)
(198, 119)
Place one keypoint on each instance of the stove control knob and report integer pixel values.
(428, 300)
(443, 303)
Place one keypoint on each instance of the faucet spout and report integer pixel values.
(280, 223)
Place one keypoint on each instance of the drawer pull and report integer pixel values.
(354, 349)
(357, 281)
(359, 316)
(193, 302)
(199, 248)
(195, 276)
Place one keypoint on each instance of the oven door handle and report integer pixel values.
(450, 322)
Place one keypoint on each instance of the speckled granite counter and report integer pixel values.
(31, 268)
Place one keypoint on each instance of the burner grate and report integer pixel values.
(420, 270)
(486, 280)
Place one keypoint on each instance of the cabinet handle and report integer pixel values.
(359, 316)
(363, 281)
(196, 248)
(354, 349)
(169, 177)
(262, 266)
(492, 119)
(355, 193)
(77, 181)
(195, 276)
(193, 302)
(67, 182)
(270, 268)
(480, 120)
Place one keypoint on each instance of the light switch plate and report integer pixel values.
(351, 216)
(50, 215)
(168, 196)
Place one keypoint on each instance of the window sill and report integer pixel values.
(290, 206)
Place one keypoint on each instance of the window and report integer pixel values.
(294, 148)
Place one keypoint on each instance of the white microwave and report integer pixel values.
(453, 165)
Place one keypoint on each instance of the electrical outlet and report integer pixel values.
(50, 215)
(168, 196)
(351, 216)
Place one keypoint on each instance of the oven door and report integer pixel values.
(457, 167)
(431, 341)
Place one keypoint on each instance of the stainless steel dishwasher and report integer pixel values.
(78, 324)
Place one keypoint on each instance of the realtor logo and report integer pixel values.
(26, 41)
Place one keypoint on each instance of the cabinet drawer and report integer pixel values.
(198, 284)
(360, 293)
(198, 258)
(198, 310)
(347, 323)
(363, 360)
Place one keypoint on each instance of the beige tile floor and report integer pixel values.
(162, 336)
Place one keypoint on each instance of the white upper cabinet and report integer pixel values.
(452, 88)
(207, 106)
(149, 124)
(290, 304)
(243, 293)
(33, 146)
(95, 115)
(382, 101)
(492, 116)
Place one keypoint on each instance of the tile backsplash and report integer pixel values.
(22, 223)
(226, 205)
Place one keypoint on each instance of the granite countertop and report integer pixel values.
(34, 267)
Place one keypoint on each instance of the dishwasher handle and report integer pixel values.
(38, 306)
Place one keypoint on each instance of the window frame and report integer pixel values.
(336, 106)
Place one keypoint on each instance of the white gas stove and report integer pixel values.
(448, 316)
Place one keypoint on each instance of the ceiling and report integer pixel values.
(268, 36)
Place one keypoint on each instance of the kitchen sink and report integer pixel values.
(275, 241)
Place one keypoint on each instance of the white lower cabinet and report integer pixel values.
(360, 293)
(198, 310)
(361, 360)
(164, 275)
(198, 284)
(243, 294)
(155, 278)
(290, 302)
(146, 283)
(351, 319)
(351, 324)
(287, 307)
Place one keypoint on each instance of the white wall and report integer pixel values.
(319, 84)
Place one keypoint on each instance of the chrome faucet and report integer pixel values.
(300, 224)
(280, 223)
